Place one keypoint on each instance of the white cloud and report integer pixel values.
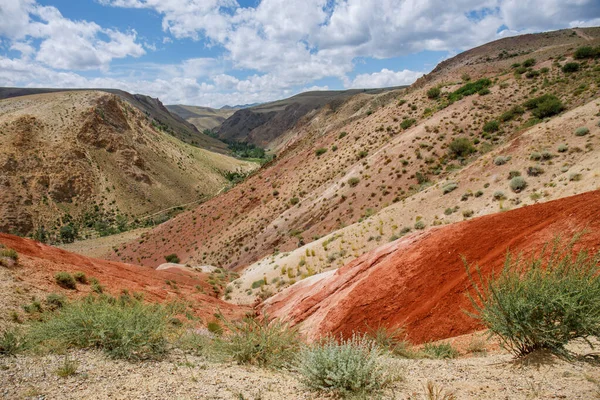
(282, 46)
(65, 44)
(384, 78)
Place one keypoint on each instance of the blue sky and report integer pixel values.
(217, 52)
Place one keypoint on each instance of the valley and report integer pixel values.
(439, 240)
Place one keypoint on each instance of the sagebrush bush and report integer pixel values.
(517, 184)
(500, 160)
(260, 342)
(541, 302)
(345, 368)
(65, 280)
(582, 131)
(450, 187)
(123, 329)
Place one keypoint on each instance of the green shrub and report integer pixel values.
(392, 340)
(407, 123)
(499, 195)
(214, 327)
(434, 93)
(491, 126)
(541, 302)
(80, 277)
(513, 174)
(530, 62)
(353, 181)
(320, 151)
(172, 258)
(575, 176)
(461, 147)
(535, 170)
(123, 329)
(420, 225)
(294, 201)
(586, 52)
(260, 342)
(484, 92)
(467, 213)
(258, 283)
(546, 155)
(9, 253)
(440, 350)
(544, 106)
(517, 184)
(500, 160)
(535, 156)
(65, 280)
(55, 300)
(450, 187)
(570, 67)
(582, 131)
(349, 367)
(469, 89)
(11, 342)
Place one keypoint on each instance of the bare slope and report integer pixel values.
(70, 153)
(420, 281)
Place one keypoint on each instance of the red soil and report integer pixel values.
(38, 263)
(420, 281)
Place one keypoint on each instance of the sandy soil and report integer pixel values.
(101, 246)
(181, 376)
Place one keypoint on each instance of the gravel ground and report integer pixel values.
(181, 376)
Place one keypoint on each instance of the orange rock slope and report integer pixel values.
(38, 263)
(420, 281)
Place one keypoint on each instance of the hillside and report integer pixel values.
(420, 281)
(350, 178)
(91, 161)
(33, 277)
(202, 117)
(154, 110)
(264, 124)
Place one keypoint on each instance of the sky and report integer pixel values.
(230, 52)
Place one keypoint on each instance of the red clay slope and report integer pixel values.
(420, 281)
(38, 263)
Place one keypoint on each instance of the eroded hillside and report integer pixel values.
(81, 158)
(375, 167)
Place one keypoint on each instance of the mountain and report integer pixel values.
(153, 108)
(239, 106)
(353, 176)
(263, 124)
(202, 117)
(93, 161)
